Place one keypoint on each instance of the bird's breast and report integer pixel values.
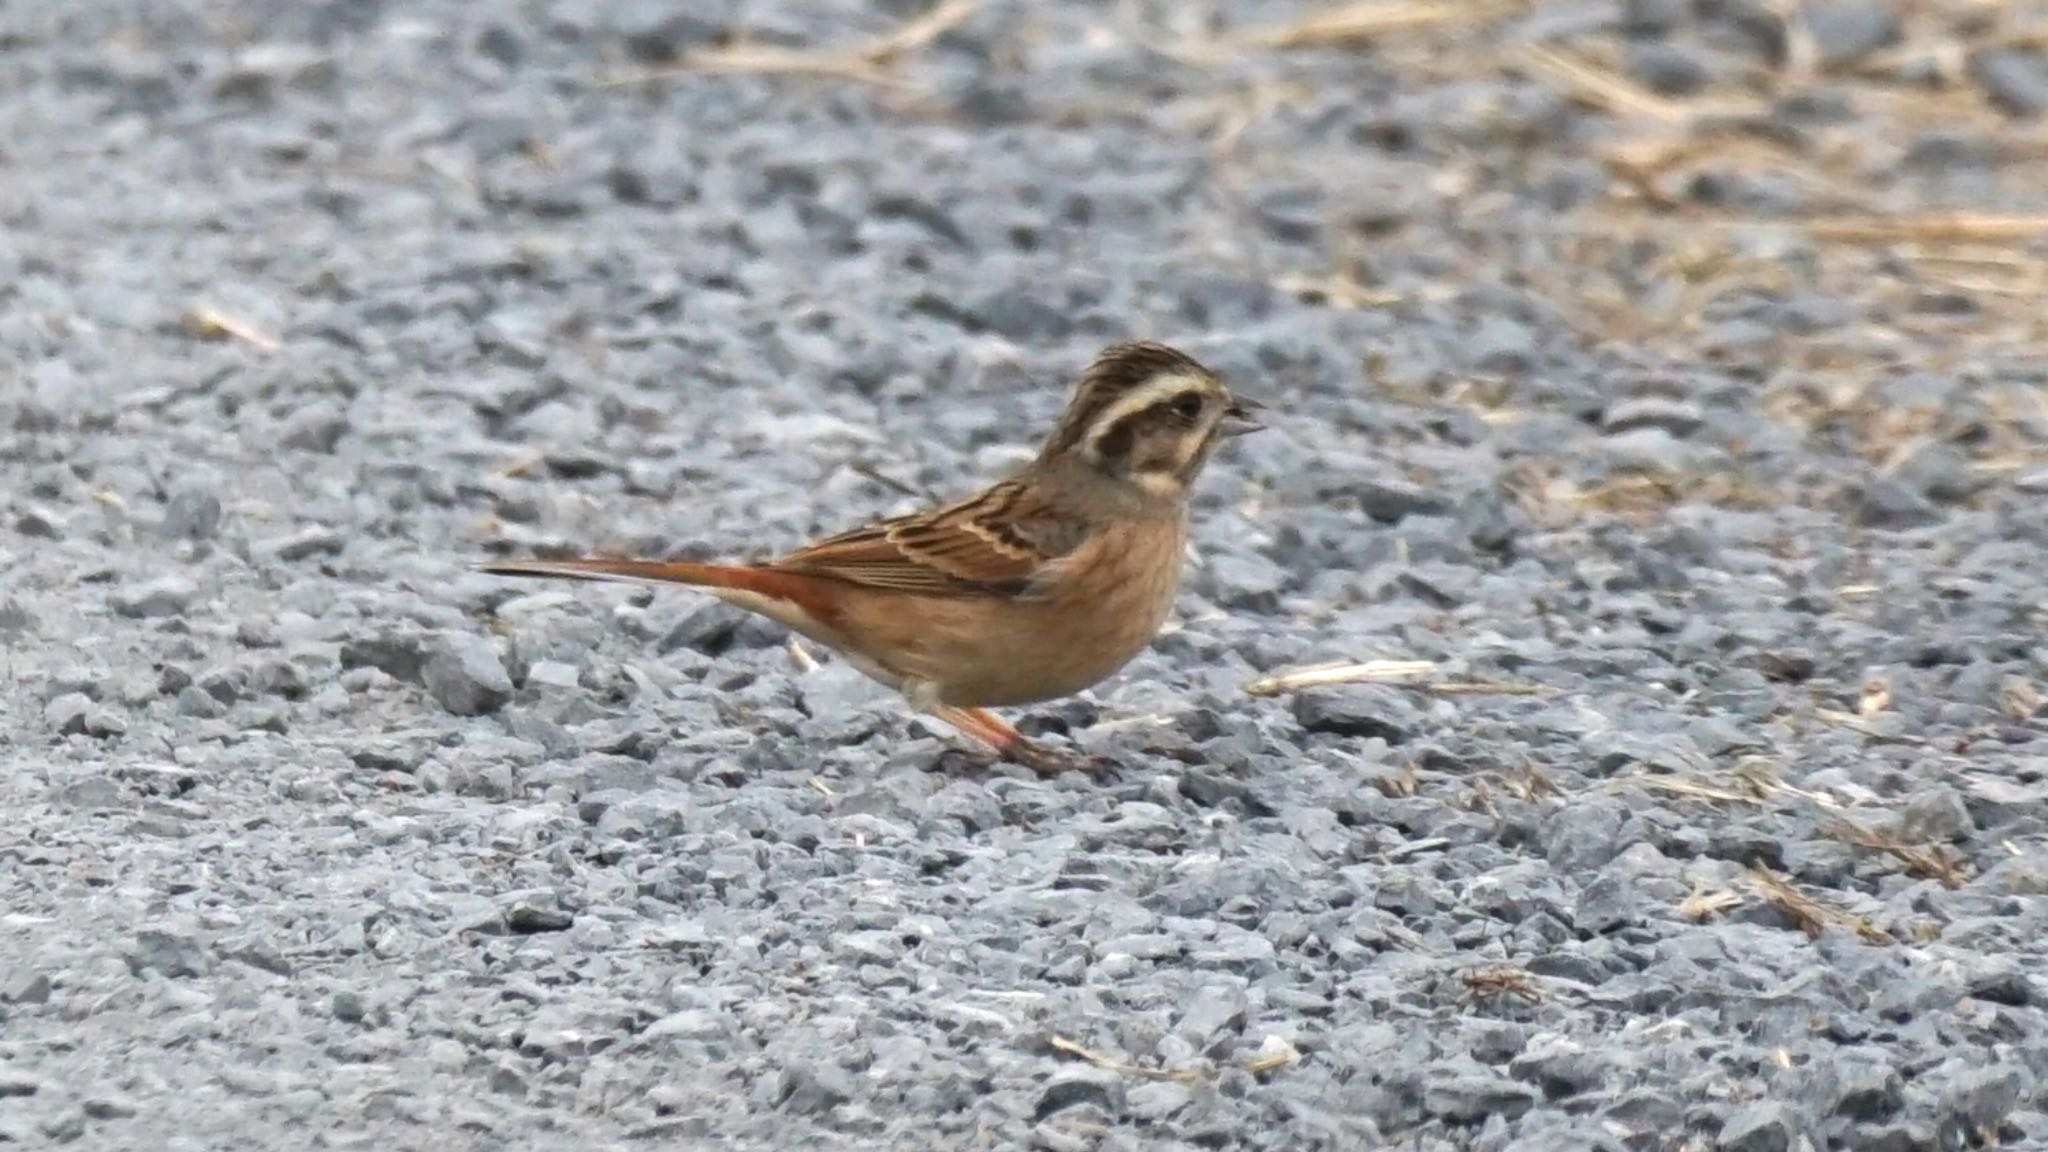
(1105, 604)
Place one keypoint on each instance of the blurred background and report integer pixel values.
(541, 219)
(1658, 438)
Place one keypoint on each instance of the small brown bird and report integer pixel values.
(1037, 587)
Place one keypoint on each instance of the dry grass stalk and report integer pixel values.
(1683, 786)
(1614, 93)
(1656, 166)
(1349, 25)
(1860, 725)
(1413, 848)
(1401, 673)
(1929, 860)
(802, 658)
(1704, 903)
(1812, 916)
(1503, 980)
(1981, 271)
(1759, 776)
(1274, 1053)
(1398, 785)
(921, 33)
(206, 322)
(1630, 493)
(1530, 785)
(1641, 494)
(1932, 228)
(1987, 256)
(1480, 799)
(2029, 290)
(1598, 86)
(1135, 720)
(1340, 672)
(1068, 1047)
(869, 63)
(869, 471)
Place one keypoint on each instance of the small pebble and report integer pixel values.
(155, 599)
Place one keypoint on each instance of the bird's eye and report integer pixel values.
(1187, 406)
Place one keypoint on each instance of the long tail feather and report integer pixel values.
(758, 589)
(629, 571)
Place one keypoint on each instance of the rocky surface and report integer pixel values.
(1704, 473)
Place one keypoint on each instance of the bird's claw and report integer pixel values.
(1053, 762)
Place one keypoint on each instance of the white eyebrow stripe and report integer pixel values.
(1140, 398)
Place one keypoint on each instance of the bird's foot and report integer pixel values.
(1018, 748)
(1055, 761)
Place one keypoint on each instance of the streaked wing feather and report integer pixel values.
(999, 542)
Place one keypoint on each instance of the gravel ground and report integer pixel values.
(1619, 372)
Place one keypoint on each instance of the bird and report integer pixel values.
(1039, 586)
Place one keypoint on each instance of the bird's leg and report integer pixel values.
(987, 727)
(991, 730)
(984, 726)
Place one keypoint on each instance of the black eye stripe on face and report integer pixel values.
(1116, 440)
(1173, 414)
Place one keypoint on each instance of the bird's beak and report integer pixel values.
(1237, 419)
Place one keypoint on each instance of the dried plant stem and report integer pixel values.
(868, 64)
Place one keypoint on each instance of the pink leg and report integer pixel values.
(991, 730)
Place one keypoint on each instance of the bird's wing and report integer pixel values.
(1003, 542)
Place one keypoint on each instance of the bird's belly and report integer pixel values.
(970, 657)
(983, 652)
(1036, 650)
(1027, 662)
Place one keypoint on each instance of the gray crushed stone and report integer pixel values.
(1721, 821)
